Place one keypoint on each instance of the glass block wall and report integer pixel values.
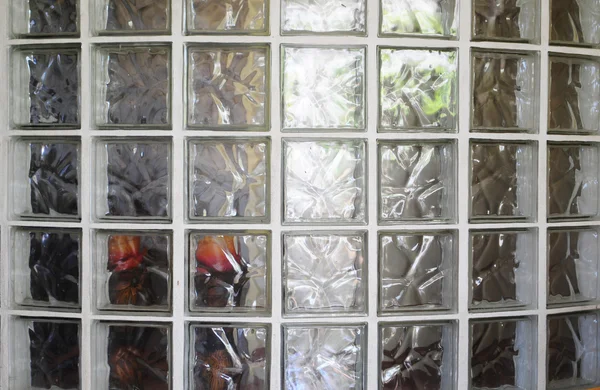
(300, 194)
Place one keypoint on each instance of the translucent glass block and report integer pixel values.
(44, 18)
(574, 103)
(46, 264)
(323, 17)
(417, 271)
(229, 356)
(133, 179)
(230, 272)
(324, 272)
(227, 17)
(45, 178)
(324, 356)
(120, 17)
(503, 180)
(132, 85)
(572, 351)
(573, 188)
(324, 181)
(436, 18)
(506, 20)
(573, 258)
(502, 353)
(504, 87)
(44, 354)
(128, 355)
(418, 356)
(45, 86)
(132, 270)
(228, 86)
(574, 22)
(417, 181)
(323, 87)
(503, 269)
(417, 89)
(228, 179)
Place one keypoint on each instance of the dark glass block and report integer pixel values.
(137, 15)
(52, 16)
(494, 265)
(492, 354)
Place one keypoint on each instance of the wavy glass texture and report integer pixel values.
(229, 179)
(139, 357)
(417, 181)
(324, 181)
(54, 179)
(52, 17)
(418, 89)
(574, 22)
(138, 179)
(504, 91)
(493, 354)
(228, 86)
(574, 102)
(227, 16)
(323, 16)
(137, 86)
(229, 272)
(416, 271)
(572, 265)
(229, 357)
(572, 181)
(323, 88)
(414, 356)
(53, 87)
(505, 20)
(324, 357)
(54, 354)
(324, 273)
(421, 18)
(136, 16)
(572, 351)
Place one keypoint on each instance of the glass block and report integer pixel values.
(227, 17)
(229, 356)
(502, 353)
(128, 355)
(506, 20)
(133, 179)
(572, 351)
(324, 181)
(504, 87)
(503, 269)
(417, 271)
(574, 103)
(418, 90)
(132, 86)
(228, 179)
(44, 18)
(324, 272)
(46, 267)
(132, 270)
(418, 356)
(417, 181)
(573, 258)
(574, 22)
(323, 87)
(119, 17)
(45, 178)
(573, 181)
(324, 356)
(435, 18)
(503, 181)
(45, 354)
(230, 272)
(323, 17)
(228, 86)
(45, 86)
